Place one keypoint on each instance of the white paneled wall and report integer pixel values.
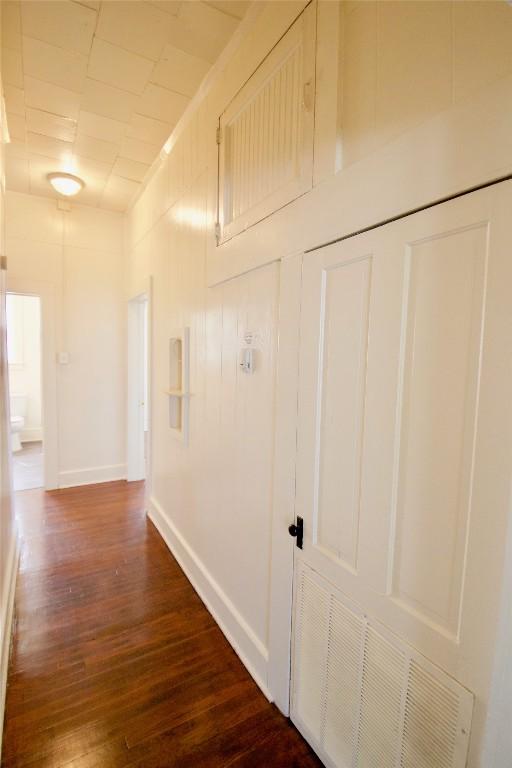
(412, 103)
(79, 255)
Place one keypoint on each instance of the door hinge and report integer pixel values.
(297, 531)
(218, 135)
(3, 262)
(217, 232)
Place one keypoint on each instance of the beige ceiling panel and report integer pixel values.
(71, 26)
(130, 169)
(51, 98)
(235, 8)
(89, 169)
(96, 149)
(101, 127)
(54, 65)
(63, 128)
(138, 150)
(49, 147)
(149, 130)
(94, 4)
(118, 193)
(11, 25)
(105, 100)
(201, 30)
(179, 71)
(16, 168)
(138, 27)
(39, 168)
(162, 104)
(14, 100)
(12, 67)
(169, 6)
(117, 67)
(16, 126)
(16, 148)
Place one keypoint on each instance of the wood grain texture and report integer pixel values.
(116, 662)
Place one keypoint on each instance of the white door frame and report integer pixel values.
(137, 467)
(45, 292)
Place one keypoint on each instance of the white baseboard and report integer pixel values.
(69, 478)
(248, 647)
(31, 435)
(6, 624)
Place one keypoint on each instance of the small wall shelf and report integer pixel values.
(178, 391)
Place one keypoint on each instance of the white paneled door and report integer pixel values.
(403, 471)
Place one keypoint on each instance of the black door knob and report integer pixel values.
(293, 530)
(297, 531)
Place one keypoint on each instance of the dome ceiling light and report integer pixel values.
(65, 183)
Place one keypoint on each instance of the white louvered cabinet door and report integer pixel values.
(266, 133)
(404, 409)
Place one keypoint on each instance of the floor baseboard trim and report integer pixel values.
(70, 478)
(246, 645)
(7, 625)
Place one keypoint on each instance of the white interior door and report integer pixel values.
(403, 472)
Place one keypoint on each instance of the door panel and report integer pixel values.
(403, 401)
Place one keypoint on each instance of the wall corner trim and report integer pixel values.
(251, 651)
(6, 627)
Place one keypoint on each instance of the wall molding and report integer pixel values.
(70, 478)
(31, 435)
(248, 647)
(7, 624)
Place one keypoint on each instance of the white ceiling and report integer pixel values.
(95, 88)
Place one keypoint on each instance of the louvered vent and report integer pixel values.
(266, 133)
(363, 698)
(262, 141)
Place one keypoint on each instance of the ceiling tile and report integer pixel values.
(118, 193)
(103, 99)
(179, 71)
(138, 27)
(130, 169)
(14, 100)
(201, 30)
(71, 26)
(169, 6)
(11, 25)
(51, 98)
(138, 150)
(54, 65)
(162, 104)
(236, 8)
(101, 127)
(16, 148)
(95, 4)
(16, 126)
(96, 149)
(117, 67)
(12, 67)
(149, 130)
(17, 173)
(48, 146)
(50, 125)
(89, 169)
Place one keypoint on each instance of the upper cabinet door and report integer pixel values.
(266, 133)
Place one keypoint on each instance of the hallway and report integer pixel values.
(116, 662)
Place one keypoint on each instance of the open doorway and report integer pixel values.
(138, 388)
(25, 389)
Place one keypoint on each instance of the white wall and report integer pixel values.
(24, 356)
(78, 254)
(8, 537)
(393, 130)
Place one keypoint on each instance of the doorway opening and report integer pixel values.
(138, 447)
(25, 389)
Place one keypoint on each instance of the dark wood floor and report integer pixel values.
(116, 662)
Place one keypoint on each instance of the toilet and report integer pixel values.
(18, 412)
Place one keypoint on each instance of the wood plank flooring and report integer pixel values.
(116, 662)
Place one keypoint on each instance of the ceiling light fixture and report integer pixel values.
(65, 183)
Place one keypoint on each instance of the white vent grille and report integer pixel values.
(262, 140)
(363, 698)
(266, 133)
